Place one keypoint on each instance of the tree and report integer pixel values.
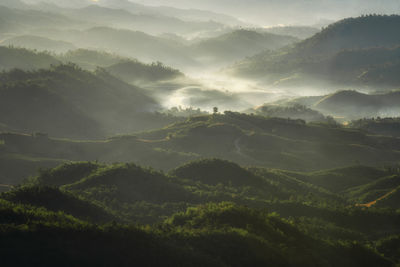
(215, 109)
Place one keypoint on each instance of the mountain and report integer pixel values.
(38, 43)
(238, 44)
(24, 20)
(133, 44)
(150, 23)
(183, 14)
(337, 54)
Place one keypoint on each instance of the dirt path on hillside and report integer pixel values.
(370, 204)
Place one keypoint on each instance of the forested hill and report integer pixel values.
(83, 104)
(353, 33)
(352, 51)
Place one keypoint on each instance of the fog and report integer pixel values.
(234, 55)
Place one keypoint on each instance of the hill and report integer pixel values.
(183, 14)
(361, 107)
(150, 23)
(132, 71)
(353, 104)
(25, 19)
(38, 43)
(337, 54)
(244, 139)
(129, 43)
(187, 235)
(295, 111)
(11, 58)
(90, 59)
(91, 104)
(55, 200)
(301, 32)
(386, 126)
(238, 44)
(216, 171)
(131, 192)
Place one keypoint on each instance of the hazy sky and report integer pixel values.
(286, 11)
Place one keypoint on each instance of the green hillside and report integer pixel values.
(55, 200)
(130, 192)
(295, 111)
(244, 139)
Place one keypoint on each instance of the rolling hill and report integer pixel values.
(132, 71)
(244, 139)
(21, 58)
(238, 44)
(38, 43)
(150, 23)
(359, 45)
(90, 104)
(355, 105)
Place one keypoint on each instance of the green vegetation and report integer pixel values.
(84, 104)
(236, 233)
(135, 71)
(295, 111)
(108, 159)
